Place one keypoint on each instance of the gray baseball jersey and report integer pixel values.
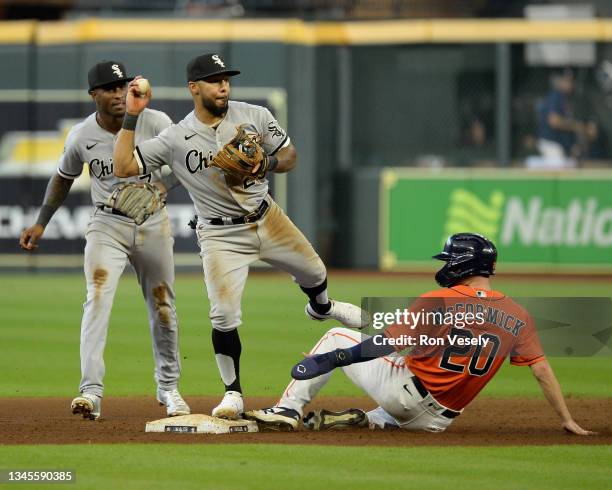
(190, 145)
(88, 143)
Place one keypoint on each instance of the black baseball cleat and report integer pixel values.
(275, 418)
(326, 420)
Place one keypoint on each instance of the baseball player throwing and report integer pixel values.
(129, 223)
(429, 388)
(222, 153)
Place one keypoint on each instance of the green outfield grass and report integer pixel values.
(41, 319)
(315, 467)
(39, 332)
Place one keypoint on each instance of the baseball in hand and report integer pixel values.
(143, 86)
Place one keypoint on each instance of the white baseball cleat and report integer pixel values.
(380, 419)
(231, 407)
(88, 405)
(349, 315)
(175, 405)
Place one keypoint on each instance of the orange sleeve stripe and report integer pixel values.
(529, 362)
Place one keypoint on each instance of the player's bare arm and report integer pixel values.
(56, 193)
(287, 159)
(124, 163)
(547, 380)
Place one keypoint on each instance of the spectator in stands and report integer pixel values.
(562, 138)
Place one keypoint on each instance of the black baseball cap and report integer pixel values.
(107, 72)
(207, 65)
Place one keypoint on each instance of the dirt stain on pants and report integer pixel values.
(162, 304)
(99, 278)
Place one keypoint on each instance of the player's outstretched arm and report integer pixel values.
(56, 193)
(545, 376)
(316, 365)
(124, 163)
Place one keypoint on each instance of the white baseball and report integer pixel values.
(143, 86)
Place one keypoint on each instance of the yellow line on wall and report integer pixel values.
(17, 32)
(516, 30)
(297, 31)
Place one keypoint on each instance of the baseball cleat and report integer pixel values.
(325, 420)
(349, 315)
(88, 405)
(275, 418)
(379, 419)
(172, 399)
(231, 407)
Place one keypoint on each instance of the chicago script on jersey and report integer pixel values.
(195, 161)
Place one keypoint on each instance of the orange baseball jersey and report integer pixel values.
(469, 353)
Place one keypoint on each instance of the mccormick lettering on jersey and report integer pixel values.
(494, 316)
(195, 161)
(504, 320)
(99, 169)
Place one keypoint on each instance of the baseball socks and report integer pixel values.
(317, 295)
(227, 348)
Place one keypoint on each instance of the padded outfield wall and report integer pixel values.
(356, 98)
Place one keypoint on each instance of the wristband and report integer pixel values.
(272, 163)
(129, 121)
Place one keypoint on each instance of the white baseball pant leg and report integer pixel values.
(385, 379)
(105, 260)
(153, 260)
(284, 246)
(227, 252)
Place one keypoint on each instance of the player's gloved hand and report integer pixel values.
(268, 164)
(243, 156)
(313, 366)
(137, 201)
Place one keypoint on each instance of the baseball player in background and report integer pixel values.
(428, 388)
(113, 238)
(238, 221)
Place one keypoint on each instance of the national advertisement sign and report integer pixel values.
(547, 220)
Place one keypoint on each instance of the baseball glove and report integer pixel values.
(243, 156)
(137, 201)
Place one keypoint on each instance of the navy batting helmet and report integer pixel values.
(466, 254)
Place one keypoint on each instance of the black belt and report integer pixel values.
(108, 209)
(247, 218)
(448, 413)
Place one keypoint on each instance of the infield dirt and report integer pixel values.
(486, 422)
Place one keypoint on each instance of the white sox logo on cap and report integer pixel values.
(218, 60)
(207, 65)
(117, 71)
